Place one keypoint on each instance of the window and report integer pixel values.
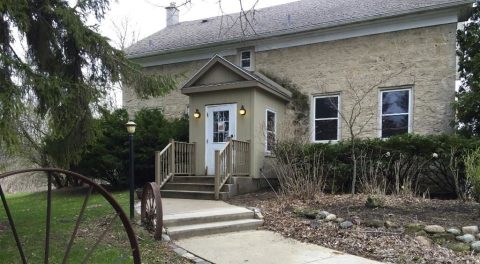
(326, 121)
(246, 59)
(221, 126)
(271, 122)
(396, 112)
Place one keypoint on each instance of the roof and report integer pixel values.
(294, 17)
(249, 79)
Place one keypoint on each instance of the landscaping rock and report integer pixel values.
(424, 241)
(322, 214)
(413, 228)
(339, 220)
(390, 224)
(458, 247)
(421, 233)
(331, 217)
(346, 224)
(470, 230)
(373, 223)
(476, 246)
(307, 213)
(356, 220)
(434, 229)
(467, 238)
(442, 238)
(374, 202)
(477, 236)
(315, 224)
(454, 231)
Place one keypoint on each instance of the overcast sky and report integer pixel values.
(148, 16)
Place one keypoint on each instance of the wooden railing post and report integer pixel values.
(217, 174)
(172, 157)
(194, 157)
(229, 160)
(158, 180)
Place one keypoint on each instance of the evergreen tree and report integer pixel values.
(468, 103)
(58, 67)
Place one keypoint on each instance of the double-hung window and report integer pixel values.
(270, 125)
(396, 112)
(326, 121)
(246, 59)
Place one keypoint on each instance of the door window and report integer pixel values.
(221, 126)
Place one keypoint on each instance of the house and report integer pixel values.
(393, 62)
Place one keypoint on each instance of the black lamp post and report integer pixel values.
(131, 130)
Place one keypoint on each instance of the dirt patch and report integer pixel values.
(384, 244)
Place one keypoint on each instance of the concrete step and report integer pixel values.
(192, 194)
(186, 231)
(207, 216)
(194, 179)
(202, 187)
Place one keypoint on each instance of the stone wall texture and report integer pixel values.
(423, 59)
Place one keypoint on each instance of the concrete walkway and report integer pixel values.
(263, 247)
(250, 246)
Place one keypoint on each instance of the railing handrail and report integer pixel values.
(177, 158)
(225, 162)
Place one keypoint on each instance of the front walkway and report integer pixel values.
(259, 246)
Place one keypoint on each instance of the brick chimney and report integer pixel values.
(173, 14)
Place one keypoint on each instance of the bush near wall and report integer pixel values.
(430, 165)
(107, 158)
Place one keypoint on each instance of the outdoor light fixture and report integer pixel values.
(131, 127)
(131, 130)
(197, 114)
(242, 110)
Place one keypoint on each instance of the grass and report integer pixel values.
(29, 214)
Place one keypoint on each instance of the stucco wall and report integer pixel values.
(421, 58)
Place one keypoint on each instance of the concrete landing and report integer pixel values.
(264, 247)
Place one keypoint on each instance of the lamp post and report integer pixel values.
(131, 130)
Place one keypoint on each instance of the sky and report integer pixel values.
(148, 16)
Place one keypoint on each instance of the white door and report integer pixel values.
(220, 124)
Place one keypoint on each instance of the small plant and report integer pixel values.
(472, 170)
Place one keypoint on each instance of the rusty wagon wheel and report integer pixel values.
(58, 174)
(151, 209)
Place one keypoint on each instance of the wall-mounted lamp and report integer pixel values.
(242, 111)
(197, 114)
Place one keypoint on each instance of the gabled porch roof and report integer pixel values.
(220, 74)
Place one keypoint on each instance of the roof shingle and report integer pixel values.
(288, 18)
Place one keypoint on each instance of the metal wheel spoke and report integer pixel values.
(49, 215)
(100, 238)
(12, 226)
(77, 225)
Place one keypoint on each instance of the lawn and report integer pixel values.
(29, 214)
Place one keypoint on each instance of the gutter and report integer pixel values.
(304, 29)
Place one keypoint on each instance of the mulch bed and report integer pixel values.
(388, 245)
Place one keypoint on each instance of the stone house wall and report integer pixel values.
(423, 59)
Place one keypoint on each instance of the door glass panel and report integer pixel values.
(221, 126)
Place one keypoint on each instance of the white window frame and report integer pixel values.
(252, 60)
(380, 108)
(313, 119)
(266, 128)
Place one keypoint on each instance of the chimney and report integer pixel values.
(173, 14)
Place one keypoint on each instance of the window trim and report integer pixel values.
(252, 59)
(313, 119)
(266, 128)
(380, 108)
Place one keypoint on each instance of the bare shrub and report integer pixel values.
(373, 173)
(472, 169)
(299, 175)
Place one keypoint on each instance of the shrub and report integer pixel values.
(472, 168)
(404, 165)
(107, 157)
